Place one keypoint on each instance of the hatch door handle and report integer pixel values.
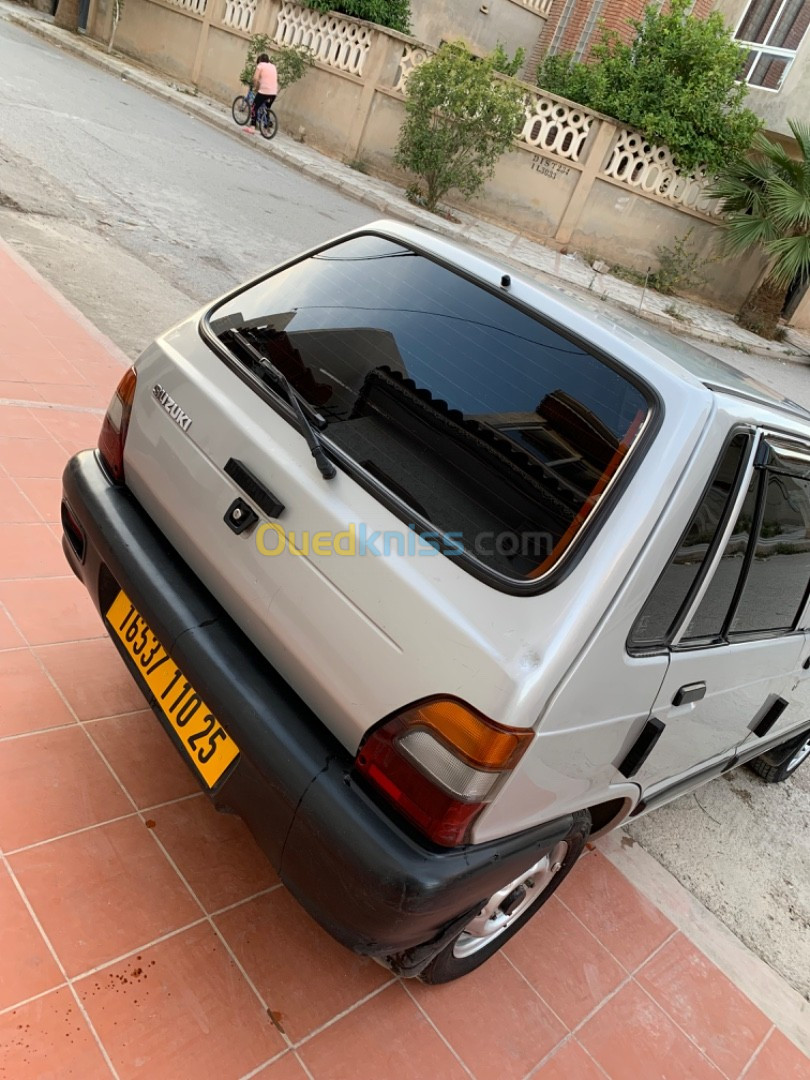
(691, 692)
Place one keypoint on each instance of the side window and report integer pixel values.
(710, 617)
(759, 586)
(678, 582)
(777, 579)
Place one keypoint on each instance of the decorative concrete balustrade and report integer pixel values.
(239, 14)
(542, 7)
(196, 7)
(651, 170)
(336, 42)
(561, 128)
(412, 57)
(555, 127)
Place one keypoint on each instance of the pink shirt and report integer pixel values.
(268, 78)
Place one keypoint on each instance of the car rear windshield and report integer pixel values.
(496, 434)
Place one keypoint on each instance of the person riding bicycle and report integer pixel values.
(265, 85)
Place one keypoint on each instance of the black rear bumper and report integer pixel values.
(371, 884)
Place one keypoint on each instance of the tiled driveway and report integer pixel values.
(142, 934)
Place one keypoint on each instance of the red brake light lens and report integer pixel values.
(113, 434)
(439, 762)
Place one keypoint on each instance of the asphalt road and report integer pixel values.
(139, 212)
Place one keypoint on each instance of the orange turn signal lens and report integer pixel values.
(472, 736)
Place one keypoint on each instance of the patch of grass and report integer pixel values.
(626, 273)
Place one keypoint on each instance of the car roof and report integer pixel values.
(655, 342)
(714, 373)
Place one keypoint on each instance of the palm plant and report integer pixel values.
(766, 200)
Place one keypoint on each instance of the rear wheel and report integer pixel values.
(509, 909)
(781, 762)
(267, 123)
(240, 110)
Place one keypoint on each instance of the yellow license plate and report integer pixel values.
(204, 739)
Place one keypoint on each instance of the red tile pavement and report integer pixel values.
(701, 1000)
(92, 677)
(556, 941)
(141, 934)
(49, 1037)
(30, 701)
(135, 748)
(286, 954)
(101, 893)
(181, 1008)
(27, 967)
(569, 1062)
(51, 610)
(214, 852)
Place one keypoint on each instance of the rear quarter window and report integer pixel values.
(493, 431)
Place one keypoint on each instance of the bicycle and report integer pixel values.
(266, 120)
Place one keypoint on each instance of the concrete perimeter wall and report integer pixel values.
(573, 178)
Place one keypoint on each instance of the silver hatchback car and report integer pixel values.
(430, 573)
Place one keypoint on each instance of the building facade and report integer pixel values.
(515, 24)
(778, 66)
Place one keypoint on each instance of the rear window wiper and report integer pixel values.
(306, 415)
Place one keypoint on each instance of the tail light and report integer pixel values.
(440, 762)
(113, 433)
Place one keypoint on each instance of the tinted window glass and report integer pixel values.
(710, 617)
(492, 426)
(674, 586)
(784, 456)
(777, 580)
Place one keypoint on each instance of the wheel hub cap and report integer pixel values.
(507, 905)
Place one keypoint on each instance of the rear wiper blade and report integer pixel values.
(307, 417)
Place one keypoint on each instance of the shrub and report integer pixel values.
(678, 267)
(766, 202)
(460, 118)
(291, 61)
(505, 64)
(395, 14)
(676, 83)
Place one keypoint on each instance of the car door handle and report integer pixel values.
(693, 691)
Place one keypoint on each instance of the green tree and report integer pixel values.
(291, 61)
(67, 15)
(460, 117)
(506, 64)
(676, 82)
(766, 198)
(395, 14)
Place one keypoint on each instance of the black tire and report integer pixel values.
(268, 125)
(447, 965)
(240, 110)
(783, 760)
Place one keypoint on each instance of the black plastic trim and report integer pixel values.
(690, 693)
(642, 747)
(385, 892)
(254, 488)
(681, 787)
(768, 715)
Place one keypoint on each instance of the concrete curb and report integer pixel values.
(89, 328)
(379, 194)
